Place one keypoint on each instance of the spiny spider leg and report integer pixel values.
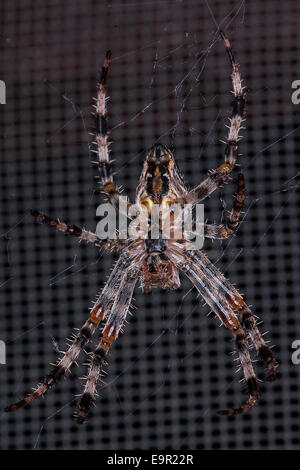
(98, 313)
(228, 318)
(219, 176)
(225, 300)
(110, 333)
(242, 347)
(229, 294)
(80, 233)
(111, 191)
(226, 230)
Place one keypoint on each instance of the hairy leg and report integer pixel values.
(111, 191)
(226, 303)
(98, 313)
(226, 230)
(110, 333)
(218, 177)
(80, 233)
(229, 293)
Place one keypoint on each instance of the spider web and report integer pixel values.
(190, 63)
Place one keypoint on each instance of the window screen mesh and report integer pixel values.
(171, 370)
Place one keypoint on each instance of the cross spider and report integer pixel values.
(157, 263)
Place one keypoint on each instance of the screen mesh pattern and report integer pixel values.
(169, 82)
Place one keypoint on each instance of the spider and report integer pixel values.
(156, 263)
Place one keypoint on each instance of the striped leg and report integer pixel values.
(242, 348)
(227, 229)
(220, 176)
(228, 293)
(102, 143)
(264, 353)
(225, 302)
(80, 233)
(98, 313)
(110, 333)
(61, 367)
(229, 319)
(68, 229)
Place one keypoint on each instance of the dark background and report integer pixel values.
(169, 82)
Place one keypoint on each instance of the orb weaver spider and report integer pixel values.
(157, 262)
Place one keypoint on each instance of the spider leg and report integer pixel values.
(98, 313)
(80, 233)
(102, 143)
(228, 293)
(242, 347)
(226, 302)
(226, 230)
(264, 353)
(218, 177)
(229, 319)
(235, 300)
(110, 333)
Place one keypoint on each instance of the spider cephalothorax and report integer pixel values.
(157, 261)
(160, 182)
